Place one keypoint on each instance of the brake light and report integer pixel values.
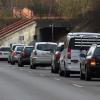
(69, 53)
(57, 55)
(13, 53)
(92, 62)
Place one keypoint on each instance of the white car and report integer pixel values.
(4, 51)
(41, 54)
(73, 45)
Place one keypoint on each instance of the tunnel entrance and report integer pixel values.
(48, 34)
(52, 30)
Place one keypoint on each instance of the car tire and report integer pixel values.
(67, 74)
(87, 76)
(19, 64)
(32, 66)
(61, 73)
(52, 71)
(12, 63)
(8, 61)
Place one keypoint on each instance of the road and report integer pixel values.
(26, 84)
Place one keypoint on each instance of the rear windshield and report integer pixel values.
(46, 47)
(29, 49)
(60, 48)
(77, 45)
(5, 49)
(20, 48)
(15, 46)
(97, 51)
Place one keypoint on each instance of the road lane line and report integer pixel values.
(77, 85)
(57, 79)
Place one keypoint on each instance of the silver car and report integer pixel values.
(41, 54)
(4, 51)
(15, 54)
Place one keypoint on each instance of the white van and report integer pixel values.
(73, 44)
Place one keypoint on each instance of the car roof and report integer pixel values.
(60, 43)
(17, 44)
(4, 46)
(29, 46)
(46, 43)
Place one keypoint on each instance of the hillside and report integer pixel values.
(84, 12)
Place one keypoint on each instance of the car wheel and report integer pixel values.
(67, 74)
(87, 76)
(8, 61)
(21, 64)
(12, 63)
(52, 71)
(61, 73)
(32, 66)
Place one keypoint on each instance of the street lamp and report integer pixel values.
(52, 31)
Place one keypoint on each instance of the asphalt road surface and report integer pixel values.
(26, 84)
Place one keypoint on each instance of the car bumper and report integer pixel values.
(95, 72)
(41, 61)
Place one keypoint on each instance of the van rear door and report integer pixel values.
(74, 59)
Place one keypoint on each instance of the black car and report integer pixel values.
(55, 58)
(90, 65)
(24, 57)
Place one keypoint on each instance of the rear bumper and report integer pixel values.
(42, 61)
(95, 72)
(26, 61)
(73, 67)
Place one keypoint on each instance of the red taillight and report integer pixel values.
(57, 55)
(69, 53)
(13, 53)
(92, 62)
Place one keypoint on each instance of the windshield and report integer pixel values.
(29, 49)
(77, 45)
(15, 46)
(60, 48)
(46, 47)
(97, 51)
(20, 48)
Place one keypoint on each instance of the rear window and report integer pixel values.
(60, 48)
(15, 46)
(77, 45)
(29, 49)
(46, 47)
(5, 49)
(97, 51)
(20, 48)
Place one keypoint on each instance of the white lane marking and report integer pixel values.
(78, 85)
(57, 79)
(42, 75)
